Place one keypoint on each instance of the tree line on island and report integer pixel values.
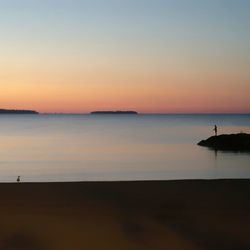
(15, 111)
(119, 112)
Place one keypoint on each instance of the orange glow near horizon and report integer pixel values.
(75, 91)
(86, 93)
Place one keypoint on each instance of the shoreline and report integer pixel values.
(128, 181)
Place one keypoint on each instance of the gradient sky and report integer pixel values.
(162, 56)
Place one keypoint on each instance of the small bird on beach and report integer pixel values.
(18, 179)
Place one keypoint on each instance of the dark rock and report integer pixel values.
(231, 142)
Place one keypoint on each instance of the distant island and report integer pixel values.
(114, 112)
(231, 142)
(14, 111)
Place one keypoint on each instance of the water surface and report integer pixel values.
(117, 147)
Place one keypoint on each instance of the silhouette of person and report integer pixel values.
(215, 130)
(18, 179)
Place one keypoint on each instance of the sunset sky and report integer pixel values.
(153, 56)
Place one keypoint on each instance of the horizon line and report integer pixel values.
(153, 113)
(138, 112)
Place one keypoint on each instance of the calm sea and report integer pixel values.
(117, 147)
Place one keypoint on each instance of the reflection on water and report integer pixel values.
(85, 147)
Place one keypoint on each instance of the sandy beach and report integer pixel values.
(188, 214)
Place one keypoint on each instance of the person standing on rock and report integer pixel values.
(215, 130)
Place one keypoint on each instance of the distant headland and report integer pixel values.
(114, 112)
(14, 111)
(232, 142)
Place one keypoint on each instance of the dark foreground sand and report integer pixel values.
(126, 215)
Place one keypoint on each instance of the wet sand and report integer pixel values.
(193, 214)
